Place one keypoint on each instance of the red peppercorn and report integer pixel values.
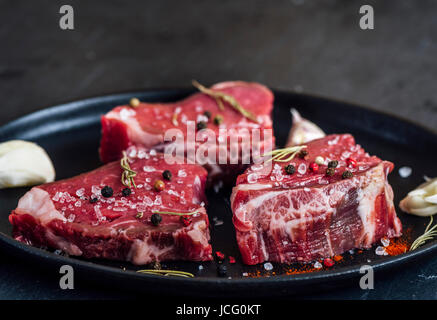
(220, 255)
(351, 162)
(328, 262)
(314, 167)
(159, 185)
(186, 220)
(231, 259)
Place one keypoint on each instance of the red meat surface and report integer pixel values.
(60, 215)
(309, 215)
(145, 125)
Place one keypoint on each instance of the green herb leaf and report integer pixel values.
(127, 177)
(289, 153)
(429, 234)
(220, 97)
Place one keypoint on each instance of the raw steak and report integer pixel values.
(309, 215)
(60, 215)
(146, 124)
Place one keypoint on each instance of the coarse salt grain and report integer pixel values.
(385, 242)
(380, 251)
(405, 172)
(268, 266)
(317, 265)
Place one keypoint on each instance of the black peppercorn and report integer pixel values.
(207, 114)
(93, 200)
(201, 125)
(107, 192)
(347, 174)
(126, 192)
(333, 164)
(156, 219)
(218, 119)
(330, 171)
(290, 169)
(167, 175)
(222, 271)
(303, 153)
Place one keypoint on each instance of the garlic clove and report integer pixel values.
(302, 130)
(421, 201)
(24, 163)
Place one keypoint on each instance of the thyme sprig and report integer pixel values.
(221, 97)
(429, 234)
(128, 175)
(175, 213)
(175, 273)
(285, 154)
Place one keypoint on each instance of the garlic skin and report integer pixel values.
(24, 163)
(422, 201)
(302, 130)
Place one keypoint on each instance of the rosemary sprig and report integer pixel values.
(127, 177)
(176, 273)
(175, 213)
(279, 154)
(429, 234)
(220, 97)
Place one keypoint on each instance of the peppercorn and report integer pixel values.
(107, 191)
(231, 260)
(330, 171)
(328, 262)
(303, 154)
(156, 219)
(351, 162)
(186, 220)
(134, 102)
(93, 200)
(314, 167)
(319, 160)
(347, 174)
(290, 169)
(207, 114)
(333, 164)
(159, 185)
(218, 119)
(126, 192)
(167, 175)
(222, 271)
(201, 125)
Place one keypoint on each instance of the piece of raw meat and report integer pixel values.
(310, 214)
(75, 216)
(146, 125)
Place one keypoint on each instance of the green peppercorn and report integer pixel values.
(218, 119)
(107, 191)
(347, 174)
(201, 125)
(167, 175)
(156, 219)
(207, 114)
(290, 169)
(126, 192)
(330, 171)
(333, 164)
(303, 154)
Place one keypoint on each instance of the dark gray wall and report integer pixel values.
(314, 46)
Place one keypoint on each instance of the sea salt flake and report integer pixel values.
(252, 177)
(405, 172)
(268, 266)
(318, 265)
(385, 242)
(302, 168)
(80, 192)
(148, 169)
(182, 173)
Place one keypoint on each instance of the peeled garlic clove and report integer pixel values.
(24, 163)
(302, 130)
(421, 201)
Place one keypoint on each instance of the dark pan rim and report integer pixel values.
(345, 273)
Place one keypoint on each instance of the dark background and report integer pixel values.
(306, 46)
